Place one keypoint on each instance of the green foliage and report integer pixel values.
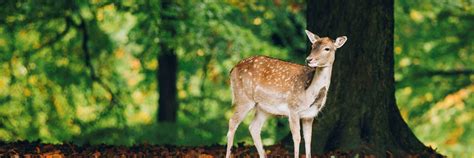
(86, 71)
(434, 72)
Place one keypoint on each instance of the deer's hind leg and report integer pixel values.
(241, 110)
(256, 128)
(242, 104)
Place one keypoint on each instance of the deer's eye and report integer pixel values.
(326, 49)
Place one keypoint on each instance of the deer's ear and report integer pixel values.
(312, 37)
(340, 41)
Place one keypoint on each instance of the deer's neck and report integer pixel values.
(321, 79)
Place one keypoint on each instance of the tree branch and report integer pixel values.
(58, 36)
(424, 73)
(446, 73)
(88, 62)
(85, 48)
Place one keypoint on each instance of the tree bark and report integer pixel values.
(361, 114)
(168, 106)
(168, 66)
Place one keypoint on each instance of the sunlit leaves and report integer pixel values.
(416, 16)
(60, 97)
(431, 37)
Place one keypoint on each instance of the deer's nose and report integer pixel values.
(308, 59)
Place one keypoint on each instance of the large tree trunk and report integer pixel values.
(168, 66)
(361, 114)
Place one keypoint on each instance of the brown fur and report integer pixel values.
(319, 99)
(274, 74)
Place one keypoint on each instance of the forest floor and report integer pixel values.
(36, 149)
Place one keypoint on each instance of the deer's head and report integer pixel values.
(323, 50)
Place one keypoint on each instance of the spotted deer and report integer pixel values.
(275, 87)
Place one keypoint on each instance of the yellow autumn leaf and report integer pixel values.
(416, 16)
(398, 50)
(200, 52)
(32, 80)
(26, 92)
(257, 21)
(119, 53)
(138, 97)
(405, 62)
(152, 65)
(429, 97)
(407, 90)
(453, 137)
(135, 64)
(455, 99)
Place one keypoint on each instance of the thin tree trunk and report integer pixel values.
(168, 106)
(168, 66)
(361, 113)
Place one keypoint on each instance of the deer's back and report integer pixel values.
(261, 75)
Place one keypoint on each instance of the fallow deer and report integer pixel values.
(275, 87)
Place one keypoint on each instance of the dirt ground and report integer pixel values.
(36, 149)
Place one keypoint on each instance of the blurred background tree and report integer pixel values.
(88, 71)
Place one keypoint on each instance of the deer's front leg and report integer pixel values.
(307, 130)
(294, 119)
